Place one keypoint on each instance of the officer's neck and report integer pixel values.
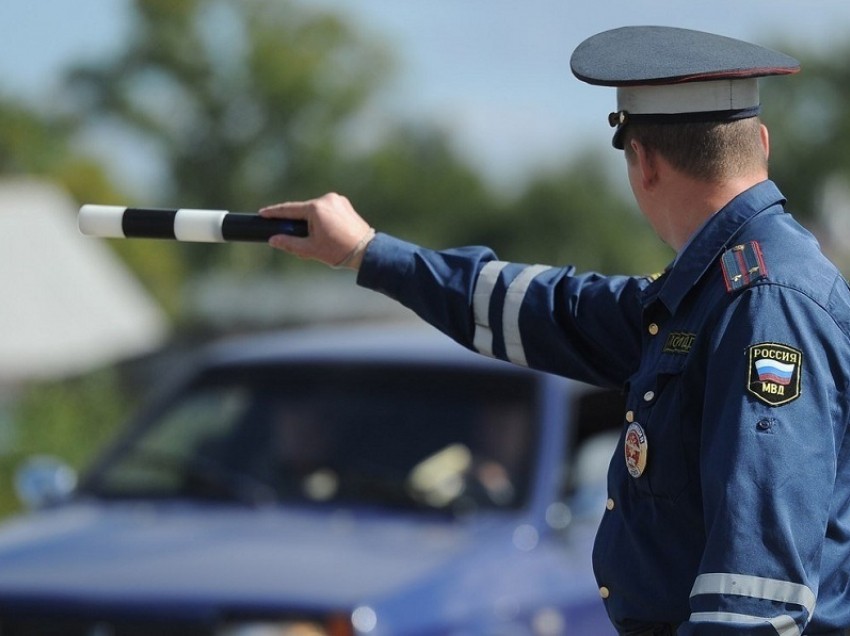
(677, 204)
(683, 204)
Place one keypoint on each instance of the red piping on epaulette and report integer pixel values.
(745, 273)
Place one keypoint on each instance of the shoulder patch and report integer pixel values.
(742, 265)
(774, 372)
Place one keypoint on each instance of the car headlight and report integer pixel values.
(287, 628)
(337, 625)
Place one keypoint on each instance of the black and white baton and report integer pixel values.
(204, 226)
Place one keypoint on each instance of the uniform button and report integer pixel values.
(604, 592)
(649, 396)
(609, 504)
(653, 329)
(630, 416)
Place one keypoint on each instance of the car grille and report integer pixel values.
(25, 626)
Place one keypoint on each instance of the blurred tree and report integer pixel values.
(253, 102)
(42, 144)
(809, 157)
(34, 143)
(70, 419)
(245, 102)
(413, 185)
(805, 115)
(584, 216)
(29, 143)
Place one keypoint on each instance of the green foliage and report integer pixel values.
(809, 128)
(415, 186)
(70, 419)
(28, 143)
(580, 216)
(245, 102)
(251, 102)
(33, 143)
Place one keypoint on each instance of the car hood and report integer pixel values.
(205, 556)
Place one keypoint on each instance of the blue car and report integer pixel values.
(329, 482)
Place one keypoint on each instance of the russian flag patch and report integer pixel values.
(775, 371)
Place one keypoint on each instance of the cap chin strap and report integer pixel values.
(621, 118)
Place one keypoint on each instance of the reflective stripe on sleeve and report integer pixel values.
(784, 625)
(513, 304)
(481, 297)
(755, 587)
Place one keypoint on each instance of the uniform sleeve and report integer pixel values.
(768, 463)
(585, 327)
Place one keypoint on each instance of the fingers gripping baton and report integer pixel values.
(205, 226)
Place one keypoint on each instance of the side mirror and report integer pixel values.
(44, 480)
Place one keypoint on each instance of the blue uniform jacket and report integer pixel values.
(731, 514)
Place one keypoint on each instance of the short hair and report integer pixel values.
(708, 151)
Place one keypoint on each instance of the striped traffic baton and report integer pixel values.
(204, 226)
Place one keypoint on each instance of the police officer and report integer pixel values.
(729, 495)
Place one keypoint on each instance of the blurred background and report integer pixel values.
(445, 123)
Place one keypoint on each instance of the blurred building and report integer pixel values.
(69, 305)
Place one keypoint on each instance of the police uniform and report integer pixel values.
(729, 494)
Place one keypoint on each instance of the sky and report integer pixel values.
(494, 73)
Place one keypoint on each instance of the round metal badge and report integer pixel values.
(636, 449)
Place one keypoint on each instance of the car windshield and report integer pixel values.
(426, 437)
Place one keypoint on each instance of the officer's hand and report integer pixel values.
(337, 234)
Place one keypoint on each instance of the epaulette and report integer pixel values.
(742, 266)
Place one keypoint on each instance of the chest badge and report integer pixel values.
(679, 342)
(636, 449)
(774, 372)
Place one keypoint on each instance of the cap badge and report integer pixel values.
(619, 118)
(774, 373)
(636, 449)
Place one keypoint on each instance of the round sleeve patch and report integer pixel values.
(774, 372)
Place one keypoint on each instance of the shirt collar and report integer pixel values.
(708, 242)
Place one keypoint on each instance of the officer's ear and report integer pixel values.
(765, 140)
(645, 161)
